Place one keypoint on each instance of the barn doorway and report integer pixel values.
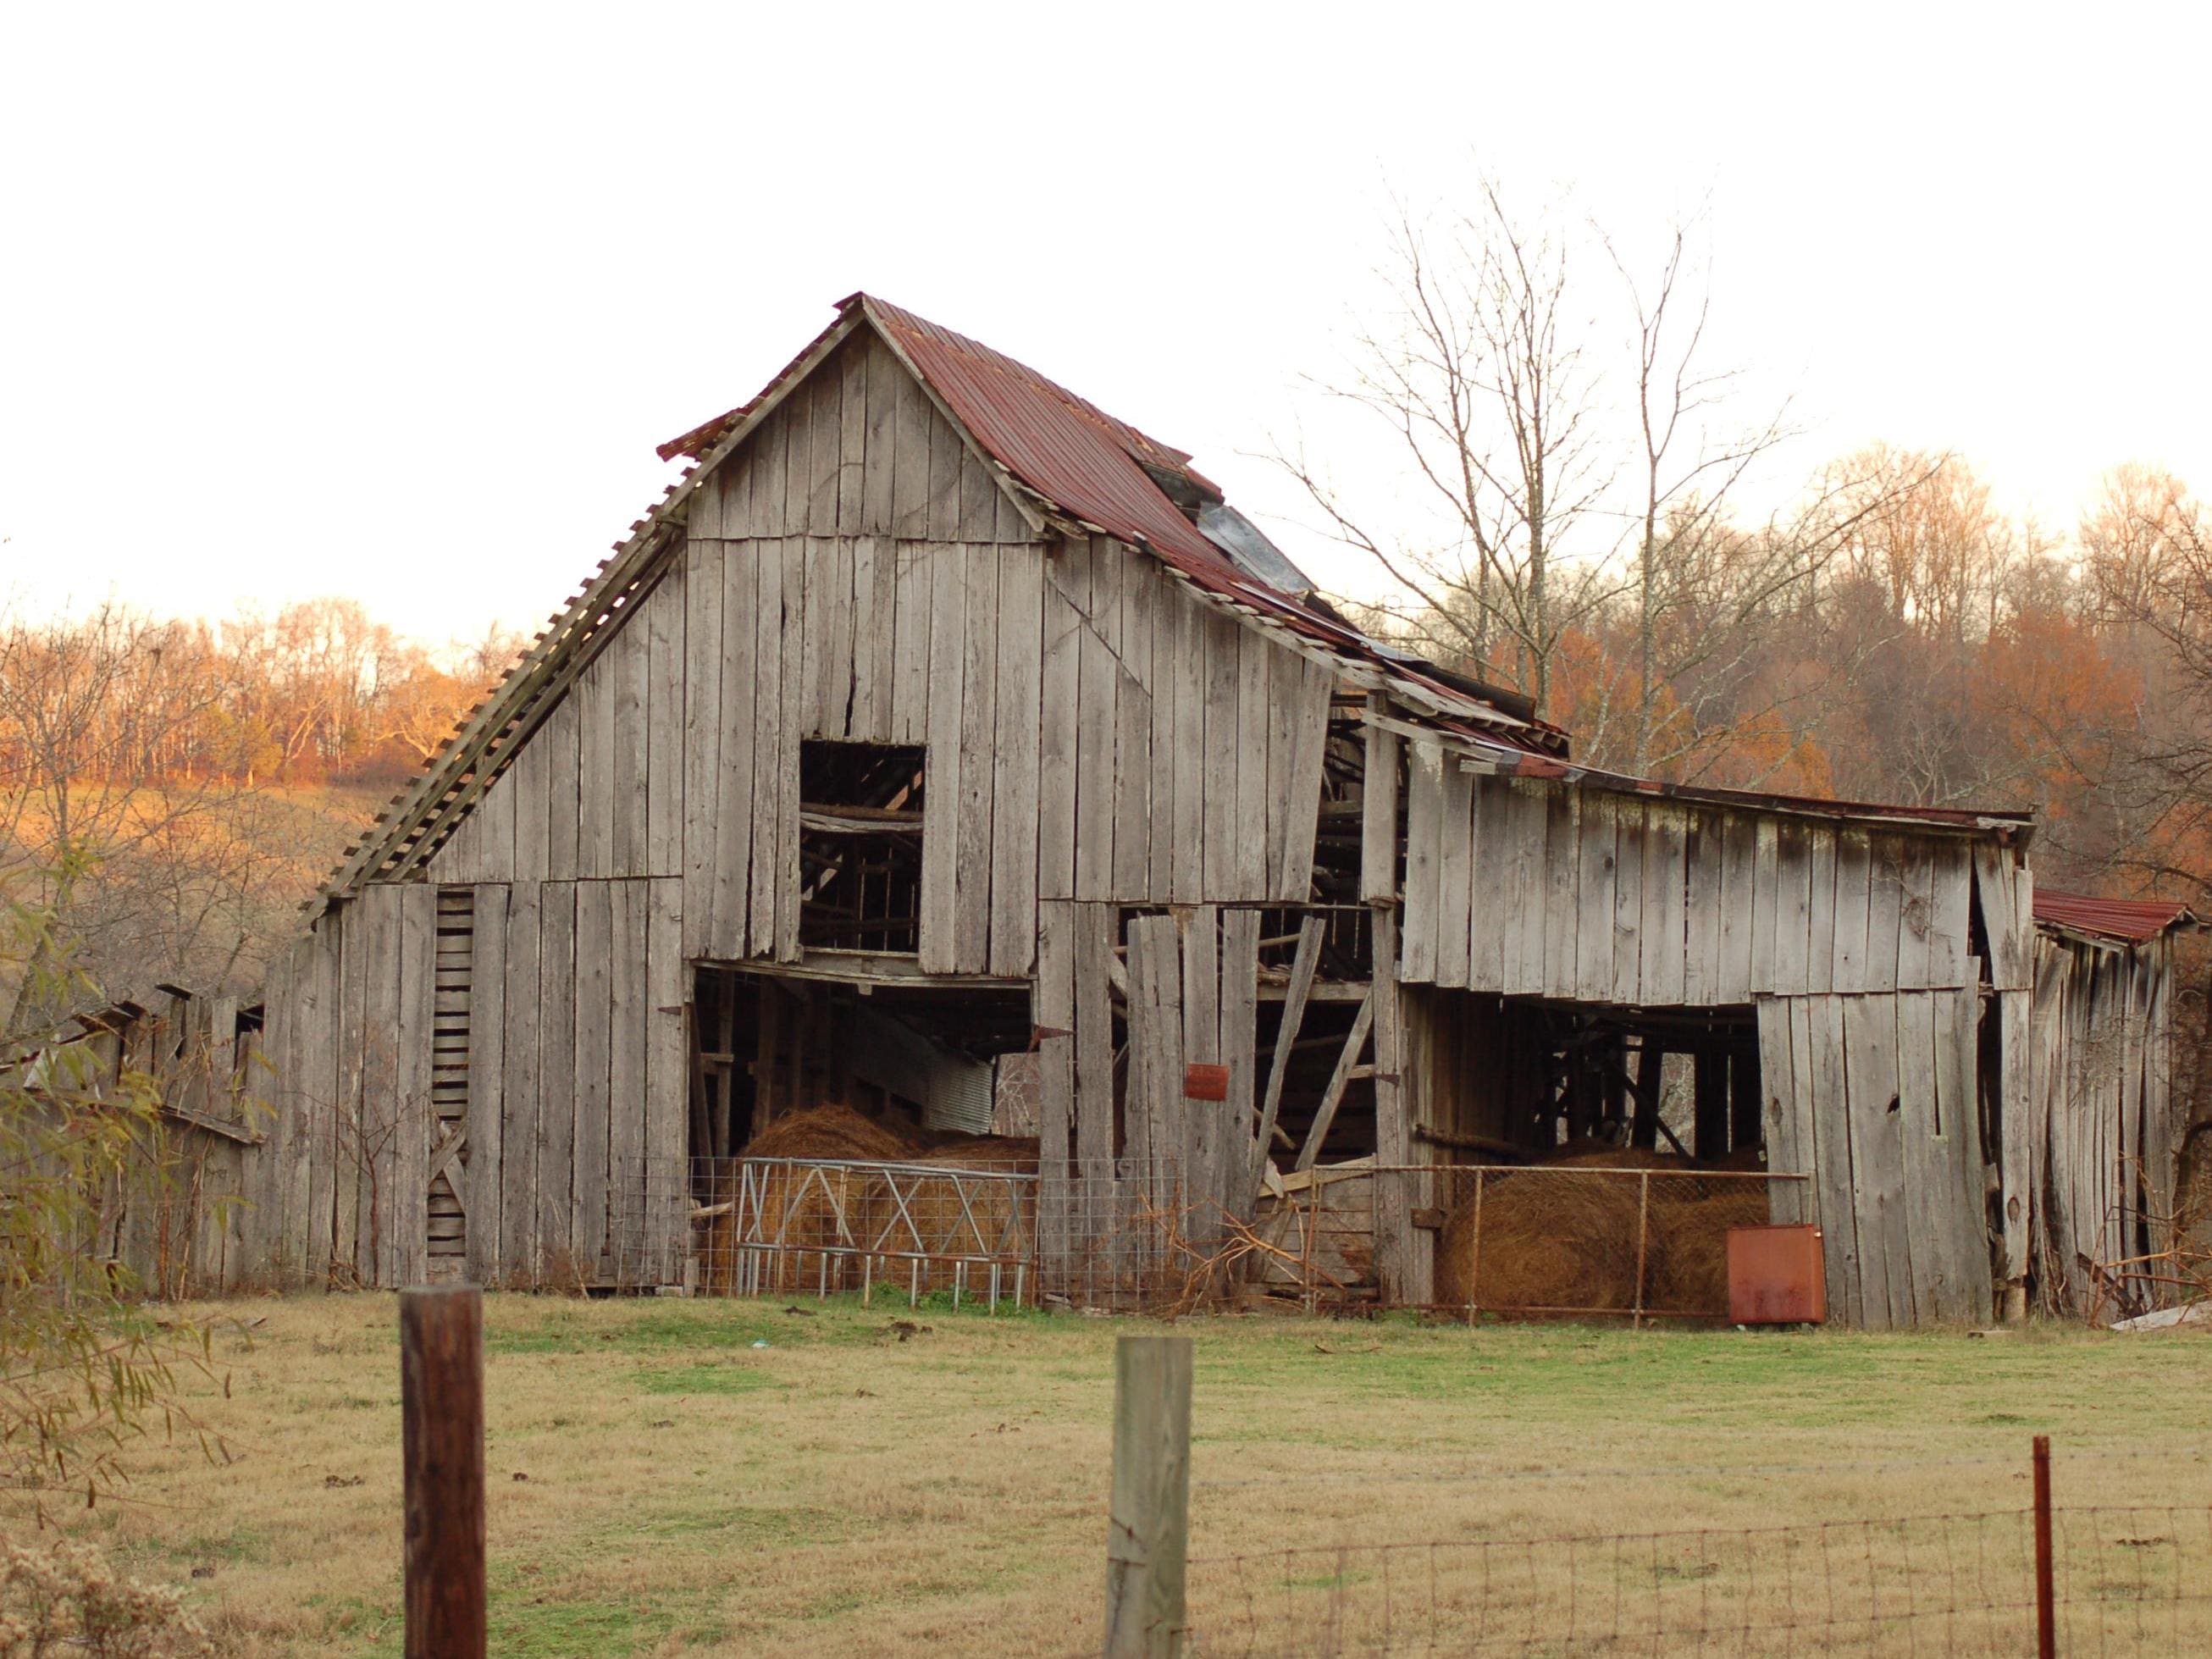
(923, 1056)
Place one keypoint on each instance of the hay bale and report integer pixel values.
(798, 1208)
(1547, 1240)
(1689, 1234)
(997, 1218)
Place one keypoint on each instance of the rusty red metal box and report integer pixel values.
(1204, 1082)
(1777, 1276)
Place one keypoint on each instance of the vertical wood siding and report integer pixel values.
(1528, 888)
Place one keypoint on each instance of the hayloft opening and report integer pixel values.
(859, 845)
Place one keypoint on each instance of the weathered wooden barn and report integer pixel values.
(2100, 1128)
(936, 716)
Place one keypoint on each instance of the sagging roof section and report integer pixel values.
(2125, 921)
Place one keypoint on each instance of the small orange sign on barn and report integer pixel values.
(1205, 1082)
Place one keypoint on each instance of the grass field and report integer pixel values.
(663, 1483)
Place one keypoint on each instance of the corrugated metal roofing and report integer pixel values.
(2134, 920)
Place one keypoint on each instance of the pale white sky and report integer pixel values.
(395, 301)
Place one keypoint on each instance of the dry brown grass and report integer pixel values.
(662, 1487)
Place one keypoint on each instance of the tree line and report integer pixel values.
(1582, 510)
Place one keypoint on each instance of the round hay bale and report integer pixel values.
(797, 1207)
(1548, 1241)
(1689, 1240)
(945, 1217)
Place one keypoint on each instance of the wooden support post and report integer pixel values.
(442, 1418)
(2046, 1622)
(1303, 967)
(1650, 1068)
(1149, 1518)
(1745, 1122)
(1709, 1138)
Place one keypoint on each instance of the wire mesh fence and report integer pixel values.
(781, 1226)
(2127, 1580)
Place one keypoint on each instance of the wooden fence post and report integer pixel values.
(1149, 1521)
(2046, 1621)
(441, 1414)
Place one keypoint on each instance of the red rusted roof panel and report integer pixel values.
(1069, 450)
(2135, 921)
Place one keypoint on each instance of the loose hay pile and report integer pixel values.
(802, 1209)
(1551, 1239)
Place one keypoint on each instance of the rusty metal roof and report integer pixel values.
(2134, 921)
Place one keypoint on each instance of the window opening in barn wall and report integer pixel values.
(449, 1080)
(859, 845)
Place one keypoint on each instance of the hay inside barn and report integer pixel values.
(813, 1219)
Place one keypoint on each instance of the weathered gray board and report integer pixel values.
(1872, 1096)
(1536, 889)
(2097, 1139)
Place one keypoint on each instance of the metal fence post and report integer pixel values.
(441, 1418)
(2046, 1622)
(1148, 1522)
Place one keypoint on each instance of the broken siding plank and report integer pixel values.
(1308, 748)
(486, 1072)
(1854, 875)
(785, 798)
(664, 734)
(1378, 813)
(1595, 885)
(1490, 917)
(1207, 1144)
(1958, 1117)
(940, 826)
(1931, 1207)
(1394, 1264)
(912, 566)
(728, 826)
(946, 452)
(707, 887)
(1455, 872)
(1739, 837)
(629, 1004)
(1529, 890)
(874, 578)
(1095, 1115)
(852, 436)
(593, 1037)
(1132, 724)
(1058, 710)
(1562, 910)
(1238, 1050)
(2011, 965)
(771, 641)
(1164, 606)
(1222, 646)
(884, 375)
(1951, 879)
(1666, 905)
(1424, 788)
(1878, 1160)
(1885, 915)
(1820, 931)
(627, 661)
(557, 1083)
(1187, 753)
(518, 1104)
(910, 474)
(668, 1074)
(1624, 982)
(1822, 1034)
(1015, 758)
(418, 1116)
(829, 582)
(1092, 590)
(1057, 1205)
(979, 705)
(1250, 851)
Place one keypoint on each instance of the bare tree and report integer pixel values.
(1481, 378)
